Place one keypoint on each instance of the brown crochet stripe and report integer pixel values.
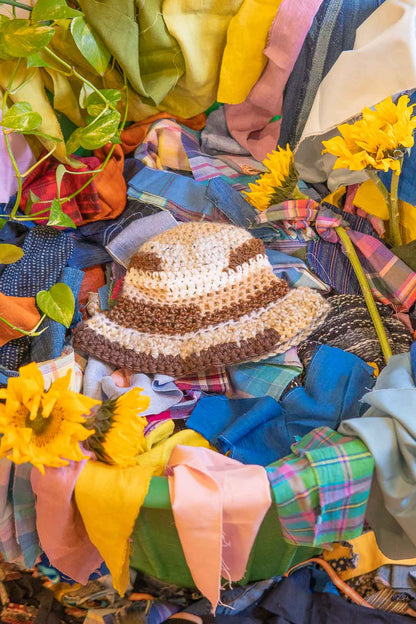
(88, 341)
(246, 251)
(146, 261)
(180, 319)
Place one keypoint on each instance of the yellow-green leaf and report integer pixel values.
(10, 253)
(21, 117)
(53, 10)
(20, 38)
(58, 303)
(90, 45)
(100, 131)
(58, 217)
(32, 199)
(96, 104)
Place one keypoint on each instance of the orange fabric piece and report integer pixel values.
(110, 183)
(134, 135)
(21, 311)
(94, 278)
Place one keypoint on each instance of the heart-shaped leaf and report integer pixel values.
(36, 60)
(96, 104)
(90, 45)
(59, 174)
(74, 141)
(53, 10)
(58, 217)
(100, 131)
(10, 253)
(58, 303)
(20, 38)
(32, 199)
(21, 117)
(2, 223)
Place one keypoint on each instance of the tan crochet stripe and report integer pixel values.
(168, 287)
(219, 355)
(288, 316)
(181, 319)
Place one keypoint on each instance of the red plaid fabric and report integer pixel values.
(215, 381)
(42, 182)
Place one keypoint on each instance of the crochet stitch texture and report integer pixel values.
(198, 296)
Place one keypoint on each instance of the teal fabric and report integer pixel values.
(388, 428)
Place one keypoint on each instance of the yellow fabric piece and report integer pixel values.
(109, 499)
(370, 556)
(334, 198)
(200, 28)
(370, 199)
(243, 60)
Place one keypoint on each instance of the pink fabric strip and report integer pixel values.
(249, 122)
(61, 531)
(218, 504)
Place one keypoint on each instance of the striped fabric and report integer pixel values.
(392, 282)
(170, 145)
(321, 490)
(215, 381)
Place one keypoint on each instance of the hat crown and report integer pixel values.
(197, 248)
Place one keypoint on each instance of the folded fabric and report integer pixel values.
(391, 281)
(333, 31)
(42, 182)
(215, 138)
(9, 546)
(259, 431)
(392, 506)
(321, 490)
(360, 556)
(24, 159)
(243, 60)
(161, 391)
(20, 312)
(267, 378)
(168, 145)
(109, 499)
(369, 66)
(61, 529)
(232, 500)
(294, 271)
(349, 327)
(124, 245)
(110, 183)
(252, 123)
(141, 43)
(58, 367)
(132, 136)
(46, 253)
(201, 35)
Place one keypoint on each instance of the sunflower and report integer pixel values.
(278, 183)
(119, 430)
(43, 428)
(376, 141)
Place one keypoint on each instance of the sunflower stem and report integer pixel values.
(379, 184)
(365, 289)
(393, 204)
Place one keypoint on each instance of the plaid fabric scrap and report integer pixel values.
(58, 367)
(391, 281)
(321, 490)
(215, 381)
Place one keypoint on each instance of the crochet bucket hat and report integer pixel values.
(198, 296)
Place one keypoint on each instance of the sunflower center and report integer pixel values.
(45, 429)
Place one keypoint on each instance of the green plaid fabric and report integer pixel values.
(321, 490)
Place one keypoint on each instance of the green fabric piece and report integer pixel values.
(407, 253)
(150, 56)
(157, 551)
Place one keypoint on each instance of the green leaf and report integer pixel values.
(45, 10)
(96, 104)
(59, 174)
(35, 60)
(2, 223)
(100, 131)
(74, 141)
(19, 38)
(116, 140)
(42, 134)
(58, 303)
(32, 199)
(21, 117)
(10, 254)
(90, 45)
(58, 217)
